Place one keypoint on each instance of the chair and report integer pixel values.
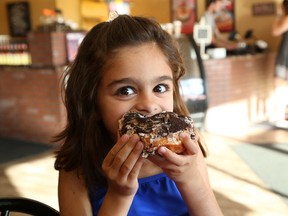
(27, 206)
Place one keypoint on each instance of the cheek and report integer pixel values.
(111, 112)
(109, 115)
(169, 105)
(110, 120)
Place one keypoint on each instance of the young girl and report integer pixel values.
(125, 64)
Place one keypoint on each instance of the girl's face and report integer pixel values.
(136, 79)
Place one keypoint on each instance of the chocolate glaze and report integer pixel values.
(161, 124)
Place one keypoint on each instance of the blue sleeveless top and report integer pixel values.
(156, 196)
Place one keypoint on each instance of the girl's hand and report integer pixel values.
(189, 172)
(180, 168)
(122, 165)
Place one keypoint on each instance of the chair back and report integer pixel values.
(27, 206)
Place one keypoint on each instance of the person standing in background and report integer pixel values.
(280, 28)
(218, 40)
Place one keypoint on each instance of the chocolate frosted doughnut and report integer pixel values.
(162, 129)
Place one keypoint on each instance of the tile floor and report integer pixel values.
(239, 191)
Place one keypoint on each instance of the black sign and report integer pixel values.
(18, 18)
(268, 8)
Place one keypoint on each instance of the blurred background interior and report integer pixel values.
(237, 103)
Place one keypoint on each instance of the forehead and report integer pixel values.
(137, 60)
(138, 51)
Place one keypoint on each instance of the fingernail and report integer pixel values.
(125, 137)
(162, 150)
(182, 135)
(134, 138)
(139, 146)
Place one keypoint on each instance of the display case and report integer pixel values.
(193, 83)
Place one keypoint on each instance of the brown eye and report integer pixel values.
(126, 91)
(161, 88)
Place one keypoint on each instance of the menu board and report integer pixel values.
(18, 18)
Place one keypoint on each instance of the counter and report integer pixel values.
(30, 103)
(240, 90)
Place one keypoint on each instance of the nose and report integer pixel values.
(147, 104)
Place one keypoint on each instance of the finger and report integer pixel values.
(134, 162)
(124, 152)
(115, 149)
(134, 174)
(167, 155)
(190, 145)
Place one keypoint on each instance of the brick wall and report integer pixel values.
(47, 48)
(240, 91)
(30, 103)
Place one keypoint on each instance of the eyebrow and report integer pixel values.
(121, 81)
(164, 78)
(133, 81)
